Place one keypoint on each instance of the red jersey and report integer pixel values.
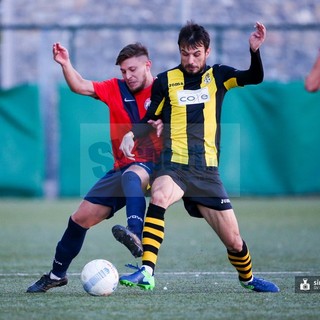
(146, 149)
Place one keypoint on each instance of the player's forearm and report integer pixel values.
(256, 68)
(75, 81)
(142, 128)
(254, 74)
(312, 82)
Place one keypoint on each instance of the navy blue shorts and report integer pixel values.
(108, 190)
(200, 186)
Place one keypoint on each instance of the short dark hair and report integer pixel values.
(132, 50)
(193, 35)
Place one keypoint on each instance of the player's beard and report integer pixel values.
(141, 85)
(195, 71)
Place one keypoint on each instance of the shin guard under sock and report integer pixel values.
(153, 235)
(135, 202)
(68, 248)
(242, 262)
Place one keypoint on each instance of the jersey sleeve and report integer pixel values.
(254, 74)
(102, 89)
(231, 77)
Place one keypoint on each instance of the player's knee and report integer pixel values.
(130, 178)
(235, 244)
(164, 192)
(89, 214)
(159, 198)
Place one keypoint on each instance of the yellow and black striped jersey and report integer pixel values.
(190, 108)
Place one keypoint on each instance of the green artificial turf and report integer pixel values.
(194, 279)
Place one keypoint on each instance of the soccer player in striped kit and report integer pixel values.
(188, 99)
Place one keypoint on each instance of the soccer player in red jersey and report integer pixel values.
(128, 100)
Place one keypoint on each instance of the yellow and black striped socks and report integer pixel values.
(242, 262)
(153, 235)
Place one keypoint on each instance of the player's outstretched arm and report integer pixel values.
(312, 81)
(74, 80)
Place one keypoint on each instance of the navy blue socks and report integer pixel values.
(68, 248)
(135, 202)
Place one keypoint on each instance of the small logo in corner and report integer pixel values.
(128, 100)
(305, 286)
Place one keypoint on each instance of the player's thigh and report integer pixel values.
(89, 214)
(164, 191)
(225, 224)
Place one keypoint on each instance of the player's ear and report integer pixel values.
(149, 64)
(208, 51)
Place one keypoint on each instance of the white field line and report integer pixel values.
(189, 273)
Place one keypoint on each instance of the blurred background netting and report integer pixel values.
(56, 144)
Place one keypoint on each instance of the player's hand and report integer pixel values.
(60, 53)
(312, 81)
(158, 125)
(127, 145)
(257, 37)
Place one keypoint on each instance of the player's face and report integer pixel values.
(136, 73)
(193, 60)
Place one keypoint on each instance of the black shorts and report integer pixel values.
(200, 186)
(108, 190)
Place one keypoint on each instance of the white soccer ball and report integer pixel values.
(99, 277)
